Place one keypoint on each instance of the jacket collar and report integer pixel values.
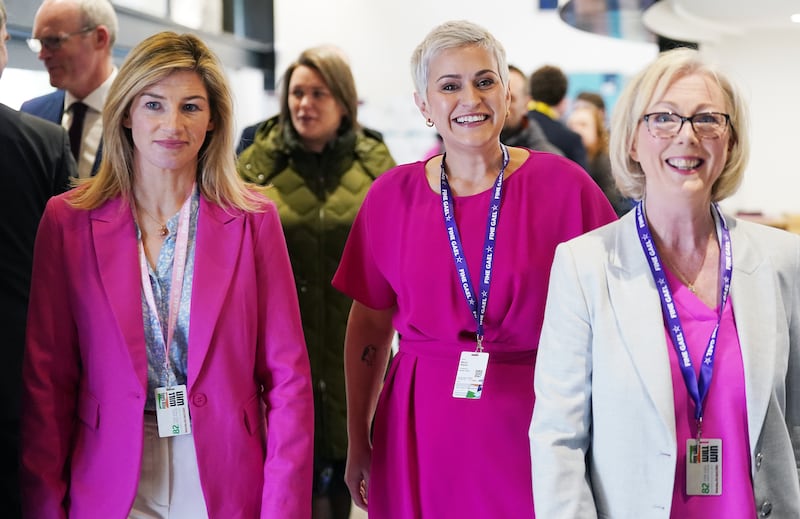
(753, 293)
(216, 251)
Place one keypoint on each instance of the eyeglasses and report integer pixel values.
(706, 125)
(53, 43)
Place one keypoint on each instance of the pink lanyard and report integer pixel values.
(176, 286)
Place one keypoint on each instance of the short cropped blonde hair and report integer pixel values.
(451, 35)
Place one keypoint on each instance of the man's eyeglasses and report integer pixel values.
(707, 125)
(53, 43)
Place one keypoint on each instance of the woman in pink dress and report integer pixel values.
(668, 370)
(450, 429)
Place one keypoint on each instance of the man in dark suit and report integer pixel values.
(548, 88)
(74, 39)
(37, 164)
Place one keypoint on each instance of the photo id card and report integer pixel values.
(471, 372)
(172, 411)
(704, 467)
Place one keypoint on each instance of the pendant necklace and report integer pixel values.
(163, 231)
(682, 278)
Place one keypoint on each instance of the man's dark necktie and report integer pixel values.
(76, 127)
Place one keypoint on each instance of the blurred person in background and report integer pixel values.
(74, 40)
(587, 121)
(593, 99)
(548, 90)
(318, 163)
(519, 129)
(37, 164)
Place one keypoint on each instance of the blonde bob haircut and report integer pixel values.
(452, 35)
(330, 63)
(649, 85)
(150, 61)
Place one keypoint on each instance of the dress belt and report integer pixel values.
(443, 350)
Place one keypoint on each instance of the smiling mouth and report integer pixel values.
(471, 118)
(685, 164)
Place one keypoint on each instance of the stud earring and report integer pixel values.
(429, 123)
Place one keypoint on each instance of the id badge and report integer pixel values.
(172, 411)
(704, 467)
(471, 372)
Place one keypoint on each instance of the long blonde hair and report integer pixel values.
(149, 62)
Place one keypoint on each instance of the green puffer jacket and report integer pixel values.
(318, 196)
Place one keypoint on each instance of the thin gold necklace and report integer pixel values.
(682, 278)
(163, 231)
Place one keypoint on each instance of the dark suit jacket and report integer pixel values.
(247, 138)
(36, 164)
(562, 137)
(51, 108)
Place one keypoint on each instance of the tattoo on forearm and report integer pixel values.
(368, 355)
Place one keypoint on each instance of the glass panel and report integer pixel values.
(154, 7)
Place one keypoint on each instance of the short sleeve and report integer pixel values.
(359, 274)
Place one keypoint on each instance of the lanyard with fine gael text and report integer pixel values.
(478, 308)
(697, 389)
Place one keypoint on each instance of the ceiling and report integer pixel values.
(687, 20)
(708, 20)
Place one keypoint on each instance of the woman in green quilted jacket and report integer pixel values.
(316, 162)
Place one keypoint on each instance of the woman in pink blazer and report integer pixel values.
(165, 371)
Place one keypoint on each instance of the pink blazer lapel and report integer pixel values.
(115, 243)
(219, 240)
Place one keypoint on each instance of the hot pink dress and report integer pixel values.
(435, 456)
(725, 415)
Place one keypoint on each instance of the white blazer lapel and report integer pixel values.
(754, 292)
(638, 310)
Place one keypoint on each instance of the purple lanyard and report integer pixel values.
(697, 389)
(465, 280)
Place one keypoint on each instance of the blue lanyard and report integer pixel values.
(478, 308)
(697, 389)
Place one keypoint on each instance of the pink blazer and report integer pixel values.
(85, 369)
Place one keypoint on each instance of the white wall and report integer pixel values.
(770, 81)
(379, 37)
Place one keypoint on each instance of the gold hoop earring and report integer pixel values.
(429, 123)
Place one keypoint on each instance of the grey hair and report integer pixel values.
(450, 35)
(100, 12)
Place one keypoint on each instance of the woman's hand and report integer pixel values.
(366, 353)
(356, 473)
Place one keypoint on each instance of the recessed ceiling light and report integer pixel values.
(796, 18)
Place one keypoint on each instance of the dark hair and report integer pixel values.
(592, 98)
(548, 85)
(514, 68)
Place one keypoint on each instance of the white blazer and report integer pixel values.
(603, 441)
